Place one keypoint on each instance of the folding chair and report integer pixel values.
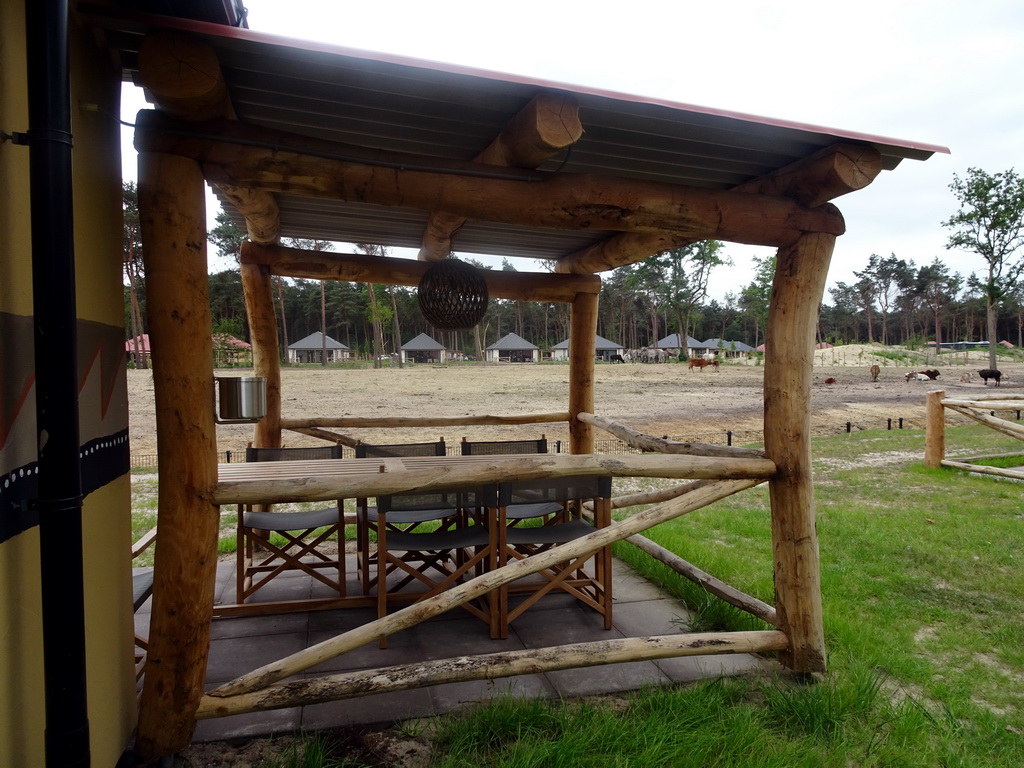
(588, 578)
(260, 559)
(435, 560)
(526, 509)
(366, 516)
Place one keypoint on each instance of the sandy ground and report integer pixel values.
(665, 399)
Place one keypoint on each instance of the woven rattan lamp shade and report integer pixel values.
(453, 295)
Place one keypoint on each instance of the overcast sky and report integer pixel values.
(945, 72)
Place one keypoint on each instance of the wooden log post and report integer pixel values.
(800, 275)
(266, 360)
(172, 207)
(934, 429)
(582, 344)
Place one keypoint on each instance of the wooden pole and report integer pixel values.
(799, 282)
(385, 422)
(172, 207)
(983, 470)
(360, 268)
(582, 348)
(266, 358)
(490, 666)
(934, 430)
(660, 445)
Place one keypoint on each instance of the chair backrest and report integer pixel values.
(460, 497)
(502, 447)
(370, 451)
(293, 454)
(554, 489)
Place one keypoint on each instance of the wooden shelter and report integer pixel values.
(305, 140)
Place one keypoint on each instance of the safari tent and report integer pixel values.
(306, 140)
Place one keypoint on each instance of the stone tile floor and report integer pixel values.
(239, 645)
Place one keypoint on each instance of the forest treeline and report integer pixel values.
(892, 300)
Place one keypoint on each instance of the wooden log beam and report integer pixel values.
(543, 128)
(328, 484)
(258, 294)
(582, 341)
(253, 157)
(812, 181)
(796, 295)
(829, 173)
(715, 586)
(480, 585)
(359, 268)
(989, 397)
(183, 76)
(983, 470)
(172, 210)
(1003, 403)
(644, 442)
(386, 422)
(619, 250)
(489, 666)
(324, 434)
(1002, 426)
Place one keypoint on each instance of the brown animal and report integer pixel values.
(875, 370)
(930, 375)
(699, 363)
(830, 380)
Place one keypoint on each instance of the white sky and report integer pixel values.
(945, 72)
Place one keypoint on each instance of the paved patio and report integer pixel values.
(239, 645)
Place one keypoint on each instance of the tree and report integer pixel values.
(227, 237)
(989, 223)
(133, 265)
(316, 245)
(882, 280)
(756, 297)
(938, 289)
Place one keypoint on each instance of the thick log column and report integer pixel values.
(172, 207)
(582, 340)
(266, 359)
(796, 294)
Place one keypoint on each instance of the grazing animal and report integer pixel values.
(991, 373)
(699, 363)
(875, 370)
(617, 359)
(830, 380)
(965, 377)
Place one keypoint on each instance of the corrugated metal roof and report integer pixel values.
(445, 111)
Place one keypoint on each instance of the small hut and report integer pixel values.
(675, 341)
(312, 349)
(603, 350)
(512, 348)
(423, 349)
(724, 348)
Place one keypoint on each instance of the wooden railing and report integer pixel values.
(980, 408)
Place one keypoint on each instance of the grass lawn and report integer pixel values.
(923, 595)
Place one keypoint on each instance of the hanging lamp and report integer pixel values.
(452, 295)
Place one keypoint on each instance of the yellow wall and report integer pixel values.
(103, 405)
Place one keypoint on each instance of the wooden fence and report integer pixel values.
(981, 408)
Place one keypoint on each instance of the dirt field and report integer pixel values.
(659, 400)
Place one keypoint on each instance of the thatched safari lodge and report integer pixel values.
(309, 141)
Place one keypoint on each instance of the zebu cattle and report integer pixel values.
(617, 359)
(930, 375)
(875, 370)
(700, 363)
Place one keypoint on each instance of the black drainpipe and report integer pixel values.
(56, 354)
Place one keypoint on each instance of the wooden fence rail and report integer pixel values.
(980, 408)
